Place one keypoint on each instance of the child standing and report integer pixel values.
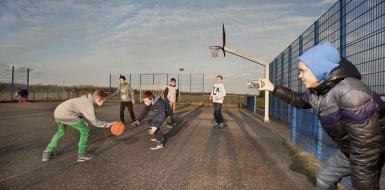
(171, 95)
(127, 98)
(71, 113)
(218, 94)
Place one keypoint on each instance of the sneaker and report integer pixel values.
(222, 125)
(169, 126)
(84, 157)
(158, 145)
(216, 125)
(134, 123)
(47, 156)
(153, 140)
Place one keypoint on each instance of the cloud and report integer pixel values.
(69, 38)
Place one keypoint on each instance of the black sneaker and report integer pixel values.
(47, 156)
(84, 157)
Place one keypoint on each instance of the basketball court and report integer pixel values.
(245, 155)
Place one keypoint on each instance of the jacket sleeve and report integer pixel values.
(165, 93)
(144, 113)
(160, 116)
(299, 100)
(360, 112)
(115, 93)
(89, 113)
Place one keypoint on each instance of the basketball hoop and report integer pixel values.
(214, 50)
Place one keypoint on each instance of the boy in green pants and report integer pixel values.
(71, 113)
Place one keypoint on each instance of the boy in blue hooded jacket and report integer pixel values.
(349, 111)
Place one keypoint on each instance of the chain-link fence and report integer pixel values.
(12, 79)
(194, 89)
(357, 29)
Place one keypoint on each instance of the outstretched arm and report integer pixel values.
(299, 100)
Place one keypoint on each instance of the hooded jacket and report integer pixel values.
(352, 115)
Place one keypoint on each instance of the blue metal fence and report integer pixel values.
(357, 29)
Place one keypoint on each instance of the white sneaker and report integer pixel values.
(158, 146)
(153, 140)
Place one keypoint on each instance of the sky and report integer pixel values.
(82, 42)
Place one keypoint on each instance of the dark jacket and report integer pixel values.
(351, 114)
(162, 109)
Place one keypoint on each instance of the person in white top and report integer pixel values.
(170, 94)
(218, 94)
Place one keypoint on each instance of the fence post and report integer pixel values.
(47, 94)
(179, 89)
(130, 80)
(289, 60)
(190, 89)
(140, 87)
(33, 96)
(316, 32)
(342, 28)
(13, 83)
(110, 83)
(28, 79)
(58, 91)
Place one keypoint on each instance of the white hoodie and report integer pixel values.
(218, 92)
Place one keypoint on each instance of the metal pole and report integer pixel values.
(203, 84)
(179, 90)
(13, 83)
(259, 62)
(190, 88)
(28, 79)
(267, 76)
(252, 59)
(130, 79)
(110, 83)
(140, 87)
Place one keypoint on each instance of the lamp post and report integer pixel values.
(214, 52)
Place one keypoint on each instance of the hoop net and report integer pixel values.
(214, 51)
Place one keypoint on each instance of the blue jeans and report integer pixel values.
(218, 112)
(336, 168)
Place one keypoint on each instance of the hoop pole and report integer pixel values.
(259, 62)
(252, 59)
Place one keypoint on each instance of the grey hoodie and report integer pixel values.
(73, 110)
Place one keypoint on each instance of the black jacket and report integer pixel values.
(162, 109)
(351, 114)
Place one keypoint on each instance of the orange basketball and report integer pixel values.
(118, 128)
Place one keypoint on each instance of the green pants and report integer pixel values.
(61, 130)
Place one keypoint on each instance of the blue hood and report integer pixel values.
(321, 59)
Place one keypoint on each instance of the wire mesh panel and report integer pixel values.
(191, 86)
(357, 29)
(12, 79)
